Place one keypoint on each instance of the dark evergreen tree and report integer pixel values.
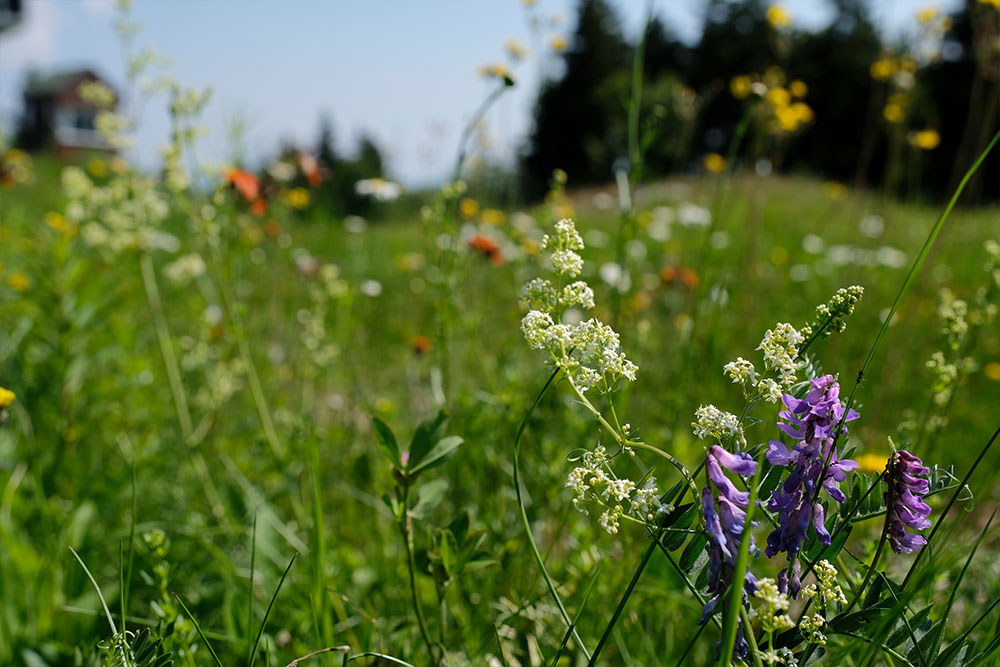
(580, 116)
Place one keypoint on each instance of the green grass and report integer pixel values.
(80, 350)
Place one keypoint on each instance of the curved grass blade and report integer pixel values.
(263, 623)
(107, 612)
(197, 627)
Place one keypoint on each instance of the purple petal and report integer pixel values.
(741, 464)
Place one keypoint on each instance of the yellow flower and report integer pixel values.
(779, 97)
(883, 68)
(297, 198)
(493, 216)
(925, 140)
(515, 49)
(19, 282)
(60, 223)
(468, 207)
(992, 369)
(798, 88)
(559, 43)
(778, 16)
(927, 14)
(97, 167)
(995, 3)
(496, 71)
(119, 165)
(714, 162)
(740, 86)
(872, 462)
(834, 190)
(6, 397)
(893, 113)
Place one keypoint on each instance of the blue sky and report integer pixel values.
(403, 71)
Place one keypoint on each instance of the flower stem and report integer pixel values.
(871, 570)
(411, 565)
(527, 523)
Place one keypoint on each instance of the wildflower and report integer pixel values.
(813, 421)
(724, 529)
(593, 481)
(378, 189)
(903, 498)
(539, 294)
(309, 167)
(811, 626)
(883, 68)
(740, 86)
(559, 43)
(493, 216)
(244, 182)
(496, 71)
(488, 247)
(825, 589)
(6, 397)
(19, 282)
(468, 207)
(714, 163)
(774, 618)
(928, 14)
(831, 316)
(421, 345)
(297, 198)
(778, 16)
(711, 422)
(872, 462)
(185, 268)
(515, 49)
(578, 293)
(798, 88)
(834, 190)
(925, 140)
(780, 346)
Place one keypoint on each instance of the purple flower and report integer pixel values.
(724, 519)
(903, 498)
(813, 421)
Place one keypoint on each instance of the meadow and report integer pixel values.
(236, 429)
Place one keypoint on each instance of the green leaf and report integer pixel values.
(874, 593)
(386, 441)
(436, 456)
(901, 632)
(692, 552)
(816, 551)
(424, 438)
(429, 496)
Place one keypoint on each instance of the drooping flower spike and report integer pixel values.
(725, 516)
(813, 421)
(905, 503)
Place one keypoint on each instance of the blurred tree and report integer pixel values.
(580, 117)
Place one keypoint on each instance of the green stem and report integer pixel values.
(754, 649)
(742, 558)
(411, 565)
(623, 601)
(166, 346)
(871, 571)
(527, 523)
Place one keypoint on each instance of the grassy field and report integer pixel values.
(281, 362)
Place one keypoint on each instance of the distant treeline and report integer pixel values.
(869, 99)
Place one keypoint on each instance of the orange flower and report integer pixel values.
(669, 274)
(310, 168)
(488, 247)
(245, 183)
(421, 345)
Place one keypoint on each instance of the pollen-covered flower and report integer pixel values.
(725, 516)
(813, 421)
(904, 498)
(781, 347)
(711, 422)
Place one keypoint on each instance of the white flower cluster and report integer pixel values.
(811, 626)
(124, 214)
(993, 260)
(743, 373)
(831, 317)
(825, 588)
(953, 312)
(589, 351)
(781, 347)
(185, 268)
(773, 618)
(780, 656)
(711, 422)
(594, 482)
(325, 287)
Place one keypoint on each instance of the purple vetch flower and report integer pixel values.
(725, 514)
(813, 421)
(903, 498)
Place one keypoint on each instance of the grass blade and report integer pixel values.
(267, 613)
(197, 627)
(107, 612)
